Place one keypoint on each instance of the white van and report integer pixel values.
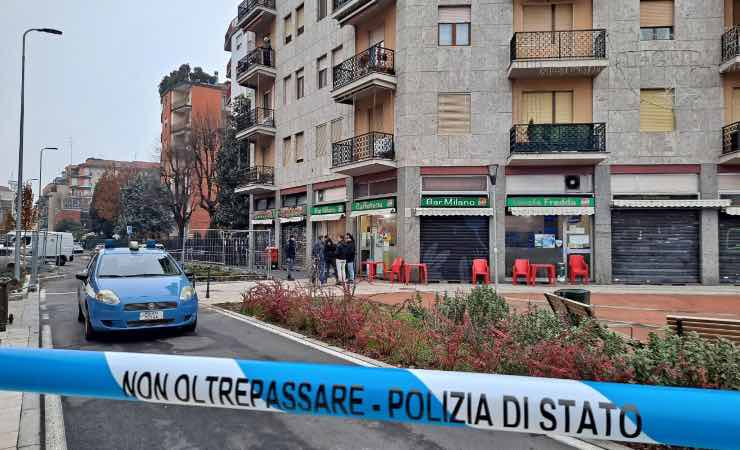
(55, 246)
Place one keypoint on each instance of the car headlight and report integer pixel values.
(187, 293)
(108, 297)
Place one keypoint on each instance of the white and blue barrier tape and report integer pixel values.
(589, 410)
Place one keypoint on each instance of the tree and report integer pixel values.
(183, 73)
(70, 226)
(177, 172)
(105, 208)
(8, 224)
(144, 207)
(29, 213)
(231, 162)
(207, 137)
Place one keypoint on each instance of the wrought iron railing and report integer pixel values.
(257, 57)
(256, 117)
(558, 137)
(340, 3)
(731, 43)
(259, 175)
(574, 44)
(373, 145)
(731, 138)
(247, 6)
(77, 203)
(375, 59)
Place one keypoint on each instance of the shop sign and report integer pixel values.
(455, 202)
(295, 211)
(337, 208)
(264, 215)
(550, 202)
(379, 203)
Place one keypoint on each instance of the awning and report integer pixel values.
(326, 217)
(292, 219)
(454, 211)
(374, 212)
(733, 210)
(552, 211)
(689, 203)
(262, 222)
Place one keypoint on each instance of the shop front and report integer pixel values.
(376, 237)
(293, 223)
(263, 225)
(549, 230)
(729, 244)
(454, 231)
(329, 220)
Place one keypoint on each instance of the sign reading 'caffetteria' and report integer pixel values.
(454, 202)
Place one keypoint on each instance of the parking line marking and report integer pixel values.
(61, 293)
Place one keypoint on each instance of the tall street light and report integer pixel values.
(19, 194)
(36, 248)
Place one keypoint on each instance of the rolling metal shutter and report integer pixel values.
(655, 247)
(450, 244)
(299, 230)
(729, 248)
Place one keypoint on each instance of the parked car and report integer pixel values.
(77, 249)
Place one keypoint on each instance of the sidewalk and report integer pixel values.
(20, 414)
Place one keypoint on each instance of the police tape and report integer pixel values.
(589, 410)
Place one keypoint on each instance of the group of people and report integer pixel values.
(330, 257)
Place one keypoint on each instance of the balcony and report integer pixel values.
(349, 12)
(550, 54)
(260, 62)
(364, 154)
(257, 122)
(254, 14)
(364, 74)
(77, 203)
(257, 180)
(730, 144)
(561, 143)
(181, 104)
(730, 51)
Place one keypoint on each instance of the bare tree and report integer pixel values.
(207, 138)
(177, 169)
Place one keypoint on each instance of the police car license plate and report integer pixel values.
(151, 315)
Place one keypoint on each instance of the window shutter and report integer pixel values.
(564, 17)
(537, 18)
(736, 105)
(537, 107)
(299, 17)
(286, 151)
(454, 114)
(656, 13)
(656, 110)
(321, 138)
(564, 107)
(454, 14)
(299, 149)
(336, 130)
(288, 24)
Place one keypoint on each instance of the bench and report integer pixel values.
(706, 327)
(575, 312)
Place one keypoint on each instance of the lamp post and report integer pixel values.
(493, 177)
(35, 270)
(19, 194)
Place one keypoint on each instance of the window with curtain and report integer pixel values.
(322, 140)
(453, 114)
(288, 28)
(287, 151)
(299, 86)
(656, 20)
(547, 107)
(299, 20)
(656, 110)
(299, 148)
(322, 72)
(322, 9)
(454, 26)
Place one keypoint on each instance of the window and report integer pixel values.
(448, 184)
(288, 28)
(287, 150)
(286, 89)
(557, 17)
(322, 73)
(547, 107)
(453, 114)
(454, 25)
(322, 140)
(656, 110)
(336, 130)
(323, 8)
(336, 57)
(299, 87)
(299, 20)
(299, 149)
(656, 20)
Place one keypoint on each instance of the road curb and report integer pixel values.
(55, 436)
(369, 362)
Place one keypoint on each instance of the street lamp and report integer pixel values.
(35, 269)
(19, 196)
(493, 174)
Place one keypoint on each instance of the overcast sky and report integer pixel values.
(97, 84)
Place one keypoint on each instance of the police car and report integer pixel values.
(135, 288)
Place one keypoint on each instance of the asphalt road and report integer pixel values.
(92, 423)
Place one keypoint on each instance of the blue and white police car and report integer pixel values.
(135, 288)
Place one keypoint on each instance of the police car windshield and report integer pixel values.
(133, 264)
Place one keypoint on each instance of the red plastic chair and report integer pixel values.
(521, 269)
(396, 270)
(577, 267)
(480, 267)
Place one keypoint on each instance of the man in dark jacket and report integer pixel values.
(290, 249)
(330, 252)
(349, 242)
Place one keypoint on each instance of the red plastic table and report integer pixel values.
(371, 268)
(423, 272)
(533, 268)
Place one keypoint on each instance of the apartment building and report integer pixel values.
(559, 132)
(7, 203)
(183, 105)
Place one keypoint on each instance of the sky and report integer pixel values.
(92, 92)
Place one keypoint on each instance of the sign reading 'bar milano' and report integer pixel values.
(454, 202)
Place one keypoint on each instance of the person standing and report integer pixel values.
(319, 257)
(267, 51)
(350, 245)
(331, 257)
(341, 261)
(290, 249)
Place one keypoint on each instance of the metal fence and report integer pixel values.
(248, 251)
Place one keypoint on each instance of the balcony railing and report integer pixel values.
(549, 45)
(731, 43)
(247, 6)
(256, 117)
(259, 175)
(373, 145)
(258, 56)
(77, 203)
(731, 138)
(180, 103)
(558, 137)
(340, 3)
(375, 59)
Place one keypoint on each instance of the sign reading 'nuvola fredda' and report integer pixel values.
(454, 202)
(378, 203)
(550, 202)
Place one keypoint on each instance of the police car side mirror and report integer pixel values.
(189, 274)
(82, 276)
